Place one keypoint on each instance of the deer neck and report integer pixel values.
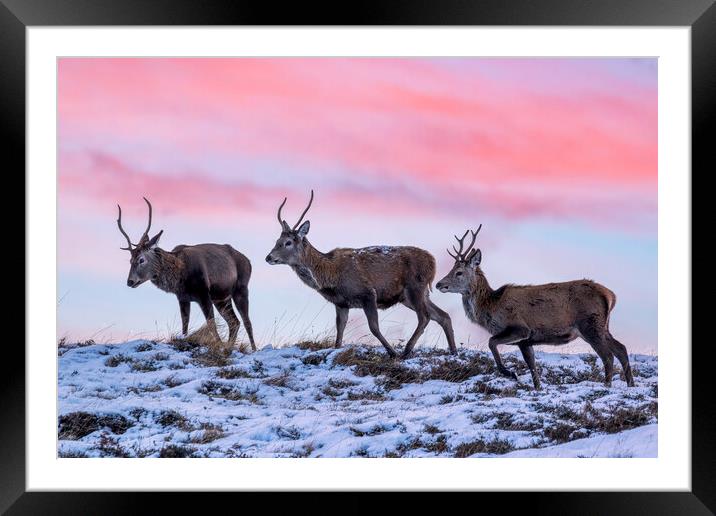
(477, 300)
(168, 272)
(315, 268)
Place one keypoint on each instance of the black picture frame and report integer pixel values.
(17, 15)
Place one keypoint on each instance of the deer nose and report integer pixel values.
(269, 259)
(130, 283)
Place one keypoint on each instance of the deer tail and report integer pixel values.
(610, 299)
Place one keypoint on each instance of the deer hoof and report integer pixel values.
(509, 374)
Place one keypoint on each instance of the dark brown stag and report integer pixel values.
(525, 316)
(208, 274)
(368, 278)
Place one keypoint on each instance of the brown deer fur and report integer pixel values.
(525, 316)
(211, 275)
(369, 278)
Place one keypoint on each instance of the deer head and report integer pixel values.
(292, 241)
(142, 255)
(467, 265)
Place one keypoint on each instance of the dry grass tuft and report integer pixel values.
(390, 373)
(219, 390)
(365, 395)
(437, 446)
(495, 446)
(172, 381)
(288, 432)
(306, 450)
(233, 373)
(116, 360)
(279, 380)
(76, 425)
(175, 419)
(571, 424)
(508, 421)
(316, 345)
(339, 383)
(209, 433)
(212, 357)
(174, 451)
(458, 371)
(109, 446)
(144, 346)
(375, 430)
(72, 454)
(314, 359)
(432, 429)
(559, 432)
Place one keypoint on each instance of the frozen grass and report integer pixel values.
(189, 399)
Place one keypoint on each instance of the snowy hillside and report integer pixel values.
(145, 398)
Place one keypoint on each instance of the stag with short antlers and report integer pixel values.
(525, 316)
(211, 275)
(369, 278)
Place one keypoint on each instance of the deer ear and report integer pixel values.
(303, 229)
(476, 258)
(155, 240)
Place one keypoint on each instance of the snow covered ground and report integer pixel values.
(152, 399)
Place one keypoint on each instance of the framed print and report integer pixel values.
(250, 272)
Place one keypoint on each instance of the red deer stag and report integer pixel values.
(525, 316)
(368, 278)
(208, 274)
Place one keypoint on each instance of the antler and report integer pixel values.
(119, 224)
(283, 223)
(280, 220)
(304, 212)
(145, 236)
(461, 241)
(467, 253)
(474, 237)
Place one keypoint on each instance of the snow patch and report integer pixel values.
(151, 399)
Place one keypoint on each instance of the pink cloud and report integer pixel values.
(325, 112)
(93, 181)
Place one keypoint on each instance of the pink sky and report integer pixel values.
(543, 151)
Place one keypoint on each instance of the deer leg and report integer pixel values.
(528, 353)
(443, 319)
(184, 310)
(620, 352)
(227, 312)
(511, 335)
(371, 313)
(419, 305)
(241, 300)
(208, 310)
(593, 333)
(341, 320)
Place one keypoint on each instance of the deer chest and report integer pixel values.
(480, 316)
(305, 274)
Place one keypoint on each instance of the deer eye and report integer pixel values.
(458, 273)
(288, 243)
(141, 261)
